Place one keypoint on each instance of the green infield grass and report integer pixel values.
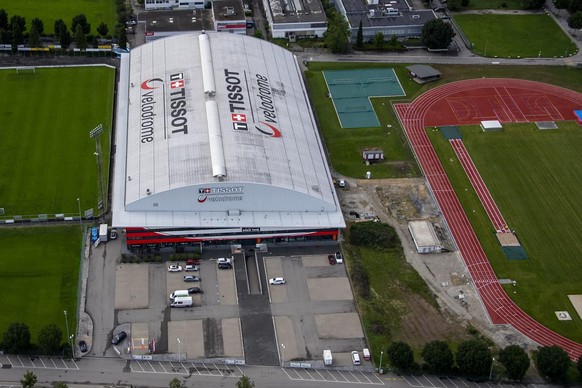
(96, 11)
(534, 178)
(511, 36)
(47, 159)
(39, 271)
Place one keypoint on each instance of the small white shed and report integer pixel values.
(424, 237)
(491, 125)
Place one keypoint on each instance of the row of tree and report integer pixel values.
(474, 359)
(16, 340)
(575, 9)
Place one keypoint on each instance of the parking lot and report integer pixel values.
(240, 316)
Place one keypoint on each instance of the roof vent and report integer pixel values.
(148, 192)
(230, 11)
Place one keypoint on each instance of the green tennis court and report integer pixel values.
(351, 90)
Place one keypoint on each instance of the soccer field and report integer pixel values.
(39, 271)
(47, 159)
(534, 178)
(96, 11)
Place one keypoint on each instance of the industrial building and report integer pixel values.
(216, 141)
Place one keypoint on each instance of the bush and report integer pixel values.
(374, 235)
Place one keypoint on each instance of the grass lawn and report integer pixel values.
(39, 272)
(47, 159)
(534, 178)
(96, 11)
(344, 145)
(516, 36)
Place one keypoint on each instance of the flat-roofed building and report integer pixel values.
(161, 24)
(216, 141)
(295, 18)
(229, 16)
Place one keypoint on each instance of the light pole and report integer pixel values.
(67, 326)
(179, 349)
(80, 216)
(282, 356)
(71, 343)
(380, 367)
(491, 370)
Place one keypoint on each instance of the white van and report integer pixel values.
(355, 358)
(182, 301)
(366, 353)
(178, 294)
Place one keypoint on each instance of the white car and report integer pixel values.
(190, 268)
(222, 260)
(277, 281)
(175, 268)
(339, 258)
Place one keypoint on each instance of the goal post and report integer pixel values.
(26, 70)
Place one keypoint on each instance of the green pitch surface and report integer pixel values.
(47, 159)
(39, 273)
(516, 35)
(96, 11)
(534, 177)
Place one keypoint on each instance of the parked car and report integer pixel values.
(276, 281)
(355, 358)
(195, 290)
(113, 234)
(193, 261)
(331, 259)
(94, 233)
(224, 266)
(83, 346)
(339, 258)
(174, 268)
(222, 260)
(191, 278)
(119, 337)
(190, 268)
(342, 183)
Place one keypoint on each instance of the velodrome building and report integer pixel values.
(216, 143)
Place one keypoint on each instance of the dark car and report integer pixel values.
(83, 346)
(224, 266)
(195, 290)
(119, 337)
(331, 259)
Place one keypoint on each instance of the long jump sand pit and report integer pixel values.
(576, 301)
(342, 325)
(131, 286)
(191, 337)
(337, 288)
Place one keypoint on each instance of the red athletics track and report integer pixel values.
(470, 102)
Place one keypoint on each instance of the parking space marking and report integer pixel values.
(443, 382)
(183, 368)
(37, 363)
(356, 377)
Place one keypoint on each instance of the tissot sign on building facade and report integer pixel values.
(217, 132)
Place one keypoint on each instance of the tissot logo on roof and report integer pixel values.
(239, 117)
(146, 84)
(177, 84)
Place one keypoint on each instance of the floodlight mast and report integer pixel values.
(95, 134)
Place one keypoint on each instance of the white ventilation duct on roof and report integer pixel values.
(215, 140)
(207, 67)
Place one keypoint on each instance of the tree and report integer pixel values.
(437, 34)
(575, 6)
(515, 361)
(245, 382)
(176, 383)
(579, 365)
(553, 362)
(474, 359)
(121, 37)
(16, 338)
(360, 36)
(28, 379)
(465, 3)
(36, 22)
(102, 29)
(438, 357)
(34, 37)
(59, 27)
(81, 20)
(80, 38)
(455, 5)
(575, 20)
(3, 20)
(17, 27)
(337, 36)
(374, 235)
(561, 4)
(532, 4)
(61, 385)
(379, 40)
(400, 356)
(50, 338)
(65, 39)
